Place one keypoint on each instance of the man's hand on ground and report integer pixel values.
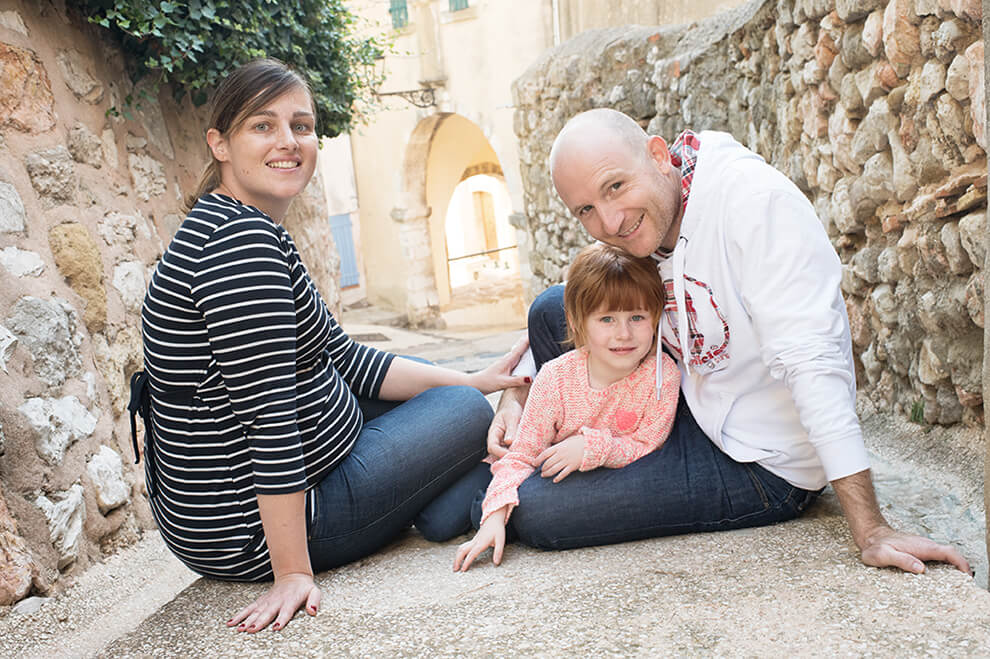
(503, 428)
(886, 547)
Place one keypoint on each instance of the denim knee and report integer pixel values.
(547, 325)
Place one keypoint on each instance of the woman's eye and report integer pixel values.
(261, 127)
(302, 128)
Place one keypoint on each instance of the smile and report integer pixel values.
(283, 164)
(632, 230)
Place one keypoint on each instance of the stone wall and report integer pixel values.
(875, 109)
(88, 199)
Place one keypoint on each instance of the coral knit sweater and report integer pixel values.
(620, 424)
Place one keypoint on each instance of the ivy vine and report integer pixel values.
(192, 45)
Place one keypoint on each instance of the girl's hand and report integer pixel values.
(491, 534)
(498, 375)
(287, 595)
(563, 458)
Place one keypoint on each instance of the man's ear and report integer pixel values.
(218, 144)
(657, 150)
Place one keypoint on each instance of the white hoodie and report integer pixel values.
(771, 376)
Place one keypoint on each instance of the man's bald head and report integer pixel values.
(598, 126)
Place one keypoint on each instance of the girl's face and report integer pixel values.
(616, 341)
(270, 157)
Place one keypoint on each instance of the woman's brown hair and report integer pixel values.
(605, 277)
(243, 92)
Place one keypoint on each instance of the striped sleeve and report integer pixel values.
(363, 368)
(243, 289)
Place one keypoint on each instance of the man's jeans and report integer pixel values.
(405, 467)
(686, 486)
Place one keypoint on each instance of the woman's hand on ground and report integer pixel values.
(562, 459)
(491, 534)
(498, 375)
(288, 594)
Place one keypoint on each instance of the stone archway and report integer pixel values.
(440, 149)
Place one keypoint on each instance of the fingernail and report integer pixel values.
(275, 627)
(527, 379)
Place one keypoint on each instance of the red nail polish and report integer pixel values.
(527, 379)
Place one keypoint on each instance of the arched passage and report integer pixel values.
(444, 151)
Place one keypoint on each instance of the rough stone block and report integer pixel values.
(105, 469)
(932, 81)
(852, 10)
(959, 263)
(975, 299)
(58, 423)
(12, 215)
(900, 35)
(147, 176)
(79, 261)
(26, 100)
(65, 522)
(957, 78)
(73, 67)
(947, 38)
(977, 92)
(972, 235)
(932, 361)
(47, 330)
(21, 262)
(52, 175)
(17, 568)
(85, 147)
(128, 280)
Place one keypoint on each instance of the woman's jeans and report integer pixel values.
(686, 486)
(405, 467)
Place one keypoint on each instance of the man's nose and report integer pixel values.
(612, 217)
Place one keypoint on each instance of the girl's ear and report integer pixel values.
(218, 144)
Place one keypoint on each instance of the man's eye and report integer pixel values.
(615, 186)
(584, 210)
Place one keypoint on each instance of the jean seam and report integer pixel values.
(759, 487)
(396, 507)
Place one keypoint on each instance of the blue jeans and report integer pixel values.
(688, 485)
(405, 467)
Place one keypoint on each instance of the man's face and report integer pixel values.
(627, 199)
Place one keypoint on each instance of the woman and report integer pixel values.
(270, 454)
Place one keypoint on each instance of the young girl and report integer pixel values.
(599, 405)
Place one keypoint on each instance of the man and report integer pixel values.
(767, 413)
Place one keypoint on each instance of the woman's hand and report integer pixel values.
(491, 534)
(498, 375)
(287, 595)
(563, 458)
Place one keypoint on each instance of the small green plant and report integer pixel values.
(192, 45)
(918, 412)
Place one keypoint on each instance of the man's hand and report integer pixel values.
(889, 548)
(506, 421)
(491, 534)
(287, 595)
(882, 546)
(563, 458)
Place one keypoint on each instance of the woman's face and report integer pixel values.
(270, 157)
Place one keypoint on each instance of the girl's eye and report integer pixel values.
(615, 186)
(606, 319)
(583, 210)
(638, 318)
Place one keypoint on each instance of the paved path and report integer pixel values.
(793, 589)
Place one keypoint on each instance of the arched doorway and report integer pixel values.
(456, 204)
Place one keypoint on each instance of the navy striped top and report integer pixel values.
(252, 381)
